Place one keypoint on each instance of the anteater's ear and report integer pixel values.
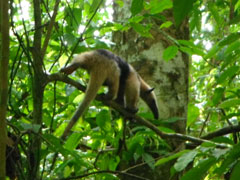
(149, 90)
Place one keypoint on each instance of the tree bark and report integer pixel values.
(170, 79)
(37, 92)
(4, 59)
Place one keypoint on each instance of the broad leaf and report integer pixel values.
(104, 120)
(157, 6)
(218, 95)
(149, 160)
(184, 160)
(227, 74)
(232, 157)
(94, 5)
(193, 114)
(171, 157)
(200, 171)
(230, 103)
(142, 30)
(170, 53)
(167, 24)
(235, 172)
(181, 9)
(230, 39)
(136, 7)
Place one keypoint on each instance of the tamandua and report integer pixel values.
(123, 82)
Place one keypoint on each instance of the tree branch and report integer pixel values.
(125, 113)
(106, 171)
(222, 132)
(50, 27)
(4, 63)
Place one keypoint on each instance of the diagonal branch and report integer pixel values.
(50, 27)
(125, 113)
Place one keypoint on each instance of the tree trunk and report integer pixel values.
(170, 79)
(37, 93)
(4, 59)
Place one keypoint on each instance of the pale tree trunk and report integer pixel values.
(4, 59)
(170, 79)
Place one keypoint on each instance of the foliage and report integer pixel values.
(82, 25)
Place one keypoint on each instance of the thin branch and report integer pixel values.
(204, 124)
(24, 27)
(222, 132)
(85, 28)
(50, 27)
(106, 171)
(54, 107)
(235, 138)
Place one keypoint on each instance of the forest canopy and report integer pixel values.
(108, 142)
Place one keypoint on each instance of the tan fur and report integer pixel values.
(132, 90)
(102, 70)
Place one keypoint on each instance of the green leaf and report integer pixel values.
(33, 127)
(193, 114)
(55, 144)
(184, 160)
(219, 153)
(113, 163)
(181, 9)
(230, 103)
(233, 47)
(78, 98)
(73, 141)
(190, 48)
(235, 172)
(232, 156)
(103, 120)
(218, 95)
(214, 11)
(62, 60)
(230, 39)
(157, 6)
(196, 19)
(237, 6)
(94, 5)
(167, 24)
(142, 30)
(69, 38)
(120, 3)
(212, 52)
(200, 171)
(170, 52)
(186, 50)
(171, 157)
(166, 130)
(136, 7)
(136, 19)
(149, 160)
(228, 74)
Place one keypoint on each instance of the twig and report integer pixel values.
(81, 37)
(204, 124)
(235, 139)
(106, 171)
(50, 27)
